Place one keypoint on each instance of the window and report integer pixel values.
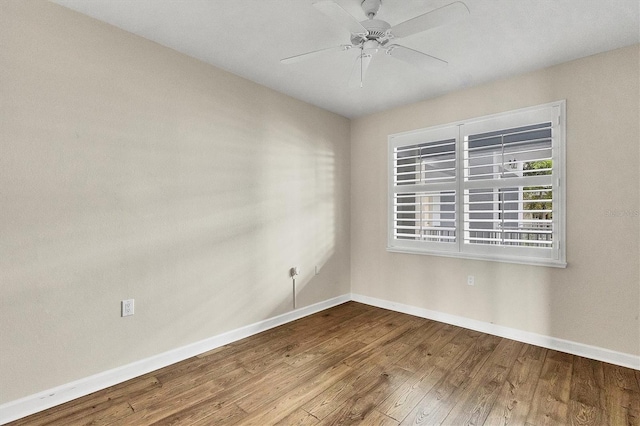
(488, 188)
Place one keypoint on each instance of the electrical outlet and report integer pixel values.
(317, 270)
(127, 307)
(471, 280)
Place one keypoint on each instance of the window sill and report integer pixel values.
(490, 258)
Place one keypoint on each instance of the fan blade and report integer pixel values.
(359, 70)
(415, 58)
(309, 55)
(334, 11)
(444, 15)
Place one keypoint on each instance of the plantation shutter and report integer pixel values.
(424, 190)
(488, 188)
(507, 189)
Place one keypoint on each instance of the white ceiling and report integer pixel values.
(500, 38)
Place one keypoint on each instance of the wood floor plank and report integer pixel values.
(374, 330)
(114, 412)
(92, 406)
(158, 406)
(587, 382)
(513, 403)
(274, 350)
(207, 415)
(365, 329)
(300, 382)
(551, 398)
(358, 364)
(622, 395)
(587, 398)
(474, 403)
(318, 336)
(390, 347)
(435, 337)
(438, 403)
(299, 417)
(334, 396)
(176, 389)
(376, 418)
(285, 405)
(441, 361)
(368, 364)
(337, 335)
(361, 404)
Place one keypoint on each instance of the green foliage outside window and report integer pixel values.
(538, 197)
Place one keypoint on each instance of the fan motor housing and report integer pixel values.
(376, 28)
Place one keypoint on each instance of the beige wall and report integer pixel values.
(596, 299)
(129, 170)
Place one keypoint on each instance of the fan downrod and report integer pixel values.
(371, 7)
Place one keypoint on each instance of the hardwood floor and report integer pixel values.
(356, 364)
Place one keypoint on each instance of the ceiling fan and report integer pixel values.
(373, 35)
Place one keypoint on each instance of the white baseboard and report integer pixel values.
(59, 395)
(574, 348)
(43, 400)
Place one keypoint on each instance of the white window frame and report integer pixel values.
(554, 113)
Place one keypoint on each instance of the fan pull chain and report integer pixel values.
(361, 68)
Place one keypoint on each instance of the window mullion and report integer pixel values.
(459, 208)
